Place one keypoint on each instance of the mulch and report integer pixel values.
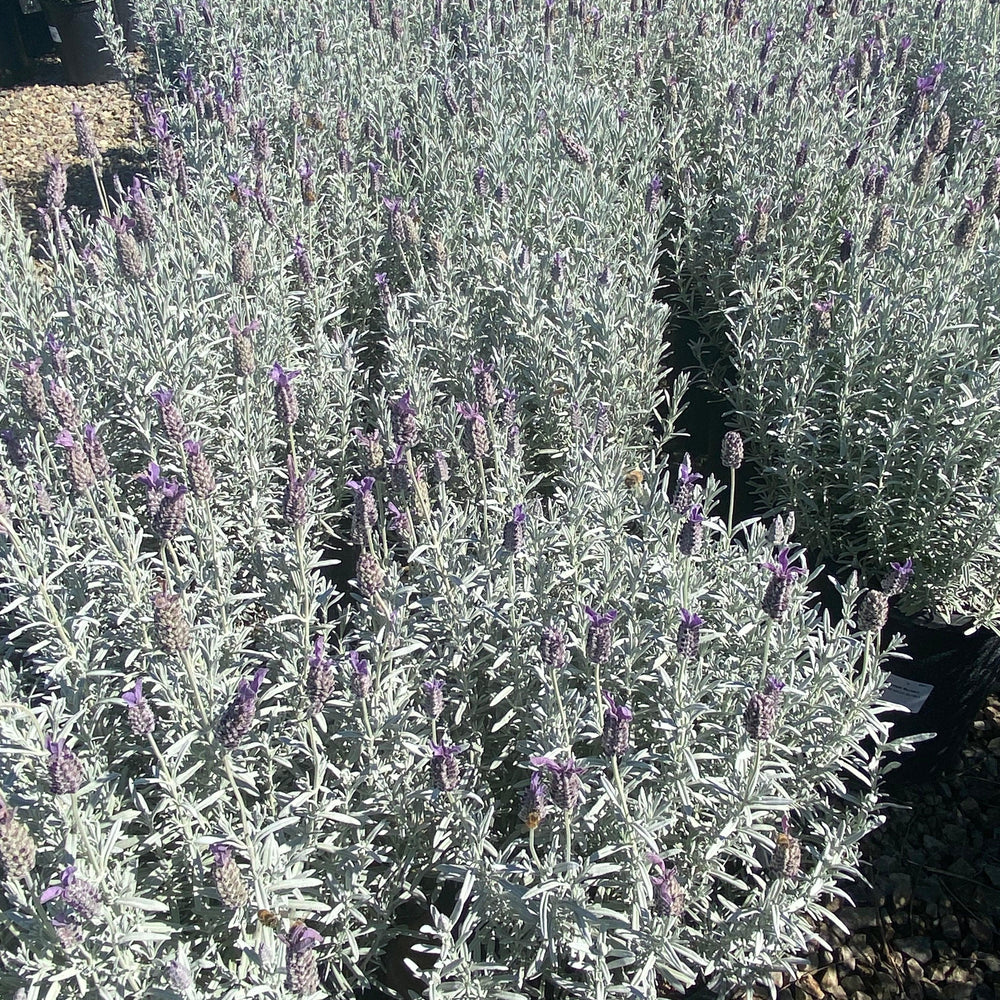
(36, 121)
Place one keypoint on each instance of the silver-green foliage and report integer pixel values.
(879, 431)
(330, 813)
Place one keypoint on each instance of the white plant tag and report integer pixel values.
(909, 695)
(56, 37)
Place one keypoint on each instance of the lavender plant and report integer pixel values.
(287, 665)
(849, 292)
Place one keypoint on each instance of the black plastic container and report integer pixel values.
(960, 670)
(13, 53)
(125, 19)
(81, 46)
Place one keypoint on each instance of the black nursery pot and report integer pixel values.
(82, 48)
(959, 670)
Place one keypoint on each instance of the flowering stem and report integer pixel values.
(531, 848)
(291, 448)
(119, 557)
(623, 804)
(597, 686)
(560, 706)
(101, 193)
(421, 497)
(300, 549)
(193, 681)
(247, 829)
(366, 722)
(223, 600)
(76, 825)
(732, 499)
(486, 511)
(169, 547)
(175, 792)
(765, 656)
(568, 838)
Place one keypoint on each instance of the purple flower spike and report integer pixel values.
(76, 893)
(777, 596)
(65, 770)
(513, 532)
(433, 697)
(301, 972)
(564, 787)
(689, 634)
(140, 716)
(286, 404)
(444, 766)
(235, 722)
(684, 487)
(668, 896)
(403, 418)
(614, 739)
(898, 578)
(600, 641)
(361, 678)
(475, 438)
(534, 803)
(485, 385)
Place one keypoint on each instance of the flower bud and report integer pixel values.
(873, 611)
(732, 450)
(761, 713)
(170, 625)
(235, 722)
(17, 848)
(229, 880)
(65, 770)
(600, 641)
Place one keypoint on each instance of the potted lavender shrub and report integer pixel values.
(836, 189)
(558, 731)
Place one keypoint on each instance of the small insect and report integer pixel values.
(274, 920)
(533, 819)
(634, 478)
(782, 840)
(313, 120)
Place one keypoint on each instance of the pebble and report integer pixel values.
(809, 985)
(950, 928)
(844, 958)
(860, 917)
(916, 947)
(902, 889)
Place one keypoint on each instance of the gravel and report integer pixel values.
(36, 119)
(928, 928)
